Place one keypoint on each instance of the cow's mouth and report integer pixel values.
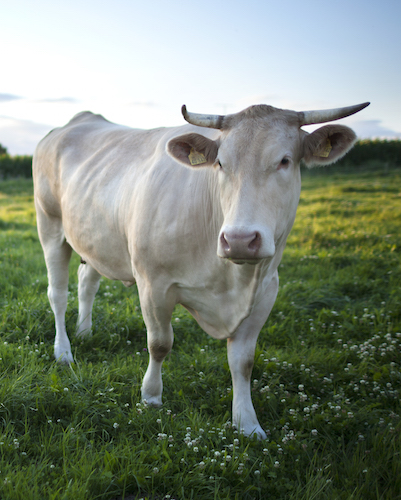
(240, 262)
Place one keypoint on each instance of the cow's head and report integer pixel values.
(257, 159)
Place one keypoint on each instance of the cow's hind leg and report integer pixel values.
(241, 352)
(88, 285)
(57, 254)
(157, 313)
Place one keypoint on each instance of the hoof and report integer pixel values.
(63, 356)
(154, 401)
(83, 333)
(251, 431)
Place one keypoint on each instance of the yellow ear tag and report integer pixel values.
(196, 158)
(325, 151)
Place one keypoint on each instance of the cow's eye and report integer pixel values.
(284, 162)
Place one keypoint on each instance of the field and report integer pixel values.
(326, 380)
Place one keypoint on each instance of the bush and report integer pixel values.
(15, 166)
(376, 151)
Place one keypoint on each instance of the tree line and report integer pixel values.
(365, 152)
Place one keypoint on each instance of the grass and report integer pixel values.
(326, 380)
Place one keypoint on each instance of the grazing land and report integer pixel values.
(326, 381)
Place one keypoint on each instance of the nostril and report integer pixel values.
(256, 243)
(224, 243)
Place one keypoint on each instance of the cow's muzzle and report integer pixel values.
(243, 246)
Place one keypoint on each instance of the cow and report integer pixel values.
(196, 215)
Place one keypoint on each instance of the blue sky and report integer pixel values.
(138, 62)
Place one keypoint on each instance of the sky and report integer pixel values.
(137, 62)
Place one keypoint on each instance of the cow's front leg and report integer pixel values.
(241, 353)
(157, 316)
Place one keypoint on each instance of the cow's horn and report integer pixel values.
(328, 115)
(211, 121)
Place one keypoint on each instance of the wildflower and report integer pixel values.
(201, 465)
(196, 449)
(159, 421)
(155, 470)
(116, 425)
(276, 464)
(257, 472)
(314, 432)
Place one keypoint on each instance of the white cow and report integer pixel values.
(195, 215)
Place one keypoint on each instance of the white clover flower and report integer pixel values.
(276, 464)
(314, 432)
(257, 472)
(116, 425)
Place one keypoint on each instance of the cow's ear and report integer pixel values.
(193, 150)
(327, 144)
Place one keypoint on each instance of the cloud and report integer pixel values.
(20, 137)
(368, 129)
(9, 97)
(58, 100)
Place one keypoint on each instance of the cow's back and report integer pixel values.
(87, 147)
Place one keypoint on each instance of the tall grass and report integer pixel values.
(326, 380)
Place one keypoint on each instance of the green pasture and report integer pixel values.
(326, 381)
